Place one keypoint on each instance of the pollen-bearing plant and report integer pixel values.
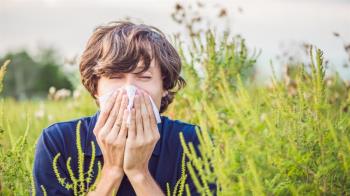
(82, 183)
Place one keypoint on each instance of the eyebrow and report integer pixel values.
(137, 69)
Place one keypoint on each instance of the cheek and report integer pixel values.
(157, 100)
(106, 85)
(156, 94)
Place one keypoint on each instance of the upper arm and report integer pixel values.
(44, 176)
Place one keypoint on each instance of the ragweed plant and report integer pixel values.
(81, 184)
(3, 72)
(198, 165)
(14, 177)
(181, 182)
(286, 139)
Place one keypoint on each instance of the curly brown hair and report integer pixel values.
(119, 46)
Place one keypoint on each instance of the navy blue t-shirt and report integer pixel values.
(164, 164)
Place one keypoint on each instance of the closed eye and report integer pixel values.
(115, 77)
(145, 77)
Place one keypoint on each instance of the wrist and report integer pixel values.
(110, 178)
(138, 175)
(112, 173)
(143, 183)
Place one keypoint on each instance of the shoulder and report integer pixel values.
(64, 127)
(55, 145)
(61, 136)
(173, 128)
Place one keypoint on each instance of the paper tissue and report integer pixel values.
(131, 90)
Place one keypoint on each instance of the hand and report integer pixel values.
(111, 133)
(143, 135)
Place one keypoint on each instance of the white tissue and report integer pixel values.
(130, 90)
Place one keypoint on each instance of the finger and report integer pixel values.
(132, 126)
(116, 130)
(145, 116)
(150, 111)
(153, 121)
(118, 123)
(123, 130)
(105, 111)
(138, 119)
(115, 112)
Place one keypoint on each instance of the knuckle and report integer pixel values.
(149, 140)
(155, 128)
(117, 125)
(109, 141)
(104, 112)
(113, 115)
(123, 129)
(155, 139)
(139, 143)
(102, 139)
(157, 136)
(118, 143)
(101, 135)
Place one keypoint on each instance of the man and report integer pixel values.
(137, 158)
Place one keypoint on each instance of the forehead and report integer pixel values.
(139, 69)
(132, 62)
(141, 65)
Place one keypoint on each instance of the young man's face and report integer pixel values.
(150, 81)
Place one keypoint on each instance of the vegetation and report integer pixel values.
(31, 76)
(290, 137)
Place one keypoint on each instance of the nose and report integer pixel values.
(130, 80)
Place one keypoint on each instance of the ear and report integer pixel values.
(165, 93)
